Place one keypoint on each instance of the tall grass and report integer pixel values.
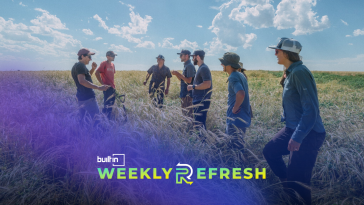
(42, 143)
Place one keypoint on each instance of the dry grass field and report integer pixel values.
(40, 137)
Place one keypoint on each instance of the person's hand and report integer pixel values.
(166, 91)
(94, 65)
(293, 145)
(174, 72)
(236, 110)
(104, 87)
(145, 82)
(189, 87)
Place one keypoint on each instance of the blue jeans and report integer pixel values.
(200, 113)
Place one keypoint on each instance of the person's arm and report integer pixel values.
(82, 80)
(305, 87)
(98, 76)
(94, 66)
(182, 77)
(146, 79)
(240, 96)
(168, 83)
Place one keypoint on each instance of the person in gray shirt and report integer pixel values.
(159, 73)
(186, 79)
(201, 89)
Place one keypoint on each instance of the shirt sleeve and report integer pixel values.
(205, 73)
(190, 71)
(114, 68)
(150, 70)
(169, 75)
(81, 69)
(101, 68)
(304, 85)
(236, 84)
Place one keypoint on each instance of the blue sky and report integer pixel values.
(46, 35)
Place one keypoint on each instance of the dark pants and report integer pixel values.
(200, 113)
(109, 100)
(300, 164)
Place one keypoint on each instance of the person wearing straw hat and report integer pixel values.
(105, 75)
(159, 73)
(186, 79)
(304, 132)
(238, 112)
(82, 77)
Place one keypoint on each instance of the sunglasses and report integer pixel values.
(277, 51)
(89, 57)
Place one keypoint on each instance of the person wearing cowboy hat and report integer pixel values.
(304, 132)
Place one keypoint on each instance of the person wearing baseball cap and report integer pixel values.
(82, 77)
(186, 79)
(239, 110)
(304, 132)
(105, 75)
(159, 74)
(201, 89)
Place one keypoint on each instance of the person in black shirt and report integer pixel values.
(82, 77)
(156, 86)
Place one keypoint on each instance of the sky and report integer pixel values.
(46, 35)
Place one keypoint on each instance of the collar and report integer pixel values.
(292, 66)
(187, 62)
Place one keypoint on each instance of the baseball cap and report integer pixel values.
(231, 59)
(84, 51)
(198, 52)
(161, 57)
(288, 44)
(184, 52)
(111, 53)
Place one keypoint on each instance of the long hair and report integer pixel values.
(293, 57)
(242, 70)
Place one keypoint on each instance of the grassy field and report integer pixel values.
(41, 142)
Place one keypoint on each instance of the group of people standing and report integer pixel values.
(301, 138)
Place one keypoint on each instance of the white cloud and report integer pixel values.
(298, 14)
(344, 22)
(98, 38)
(21, 4)
(107, 18)
(185, 44)
(101, 22)
(87, 31)
(350, 44)
(348, 36)
(230, 33)
(260, 15)
(217, 46)
(199, 26)
(358, 32)
(19, 37)
(137, 26)
(176, 60)
(146, 44)
(105, 43)
(119, 48)
(48, 20)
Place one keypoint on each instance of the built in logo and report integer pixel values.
(117, 160)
